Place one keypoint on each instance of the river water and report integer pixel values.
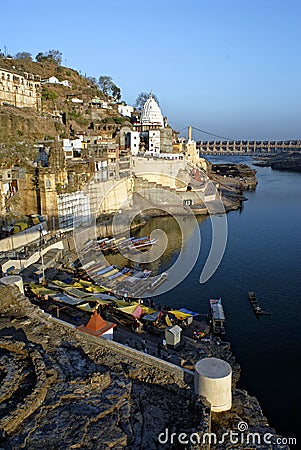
(263, 254)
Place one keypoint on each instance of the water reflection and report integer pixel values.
(170, 226)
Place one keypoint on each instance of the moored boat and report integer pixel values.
(256, 306)
(217, 317)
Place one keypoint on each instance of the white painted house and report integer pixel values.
(134, 142)
(77, 101)
(54, 80)
(72, 147)
(125, 110)
(154, 141)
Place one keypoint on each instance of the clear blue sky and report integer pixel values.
(228, 66)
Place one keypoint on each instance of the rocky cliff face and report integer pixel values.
(18, 124)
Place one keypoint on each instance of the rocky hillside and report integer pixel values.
(23, 124)
(49, 69)
(59, 116)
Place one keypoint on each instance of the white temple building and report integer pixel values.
(151, 114)
(151, 136)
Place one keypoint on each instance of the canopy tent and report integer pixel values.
(76, 292)
(95, 288)
(60, 283)
(105, 270)
(66, 299)
(102, 296)
(134, 310)
(123, 303)
(85, 282)
(179, 314)
(105, 289)
(77, 285)
(93, 267)
(147, 310)
(100, 301)
(187, 311)
(97, 326)
(89, 264)
(168, 321)
(41, 290)
(152, 317)
(87, 307)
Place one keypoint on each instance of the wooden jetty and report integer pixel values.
(256, 306)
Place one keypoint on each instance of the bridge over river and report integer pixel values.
(259, 148)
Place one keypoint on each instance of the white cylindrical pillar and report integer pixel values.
(13, 280)
(213, 380)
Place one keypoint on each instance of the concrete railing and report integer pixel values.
(22, 239)
(126, 353)
(20, 264)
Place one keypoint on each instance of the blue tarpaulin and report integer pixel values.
(187, 311)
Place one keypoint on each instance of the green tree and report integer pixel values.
(105, 83)
(47, 94)
(25, 56)
(40, 57)
(54, 56)
(92, 80)
(109, 88)
(116, 92)
(141, 99)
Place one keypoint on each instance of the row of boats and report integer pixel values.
(133, 283)
(121, 281)
(131, 244)
(124, 282)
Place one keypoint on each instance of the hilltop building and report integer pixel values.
(54, 80)
(20, 89)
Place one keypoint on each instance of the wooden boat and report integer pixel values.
(256, 306)
(114, 245)
(254, 303)
(217, 317)
(158, 280)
